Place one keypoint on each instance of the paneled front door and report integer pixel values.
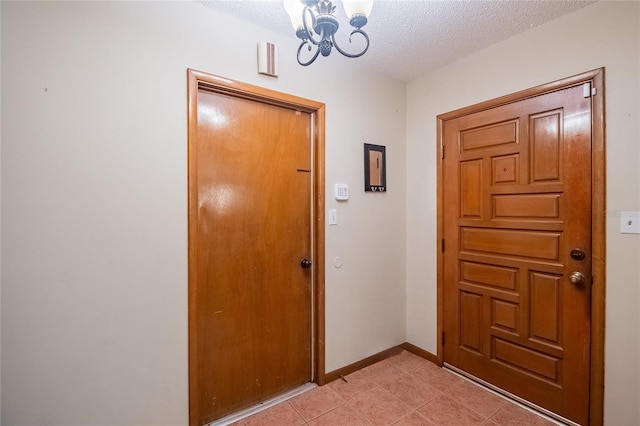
(517, 247)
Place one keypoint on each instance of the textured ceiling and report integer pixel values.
(410, 38)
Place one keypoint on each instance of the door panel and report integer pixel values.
(250, 227)
(517, 200)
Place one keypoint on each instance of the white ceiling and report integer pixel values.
(410, 38)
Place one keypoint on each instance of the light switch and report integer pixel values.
(333, 217)
(630, 222)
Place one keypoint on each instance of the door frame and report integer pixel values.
(598, 216)
(197, 80)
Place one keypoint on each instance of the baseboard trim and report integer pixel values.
(420, 352)
(380, 356)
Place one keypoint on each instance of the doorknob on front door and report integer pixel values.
(577, 278)
(305, 263)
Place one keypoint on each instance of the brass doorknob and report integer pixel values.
(577, 278)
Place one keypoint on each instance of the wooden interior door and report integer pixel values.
(250, 189)
(517, 230)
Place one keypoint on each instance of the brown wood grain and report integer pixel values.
(553, 165)
(252, 334)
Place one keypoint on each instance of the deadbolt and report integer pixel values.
(577, 278)
(576, 254)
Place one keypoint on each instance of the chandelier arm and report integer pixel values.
(352, 55)
(309, 31)
(306, 42)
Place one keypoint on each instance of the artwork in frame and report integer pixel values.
(375, 168)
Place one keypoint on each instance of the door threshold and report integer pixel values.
(232, 418)
(527, 405)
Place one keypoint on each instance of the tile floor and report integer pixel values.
(402, 390)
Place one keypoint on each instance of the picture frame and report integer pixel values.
(375, 168)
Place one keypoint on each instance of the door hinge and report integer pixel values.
(442, 246)
(443, 338)
(442, 151)
(587, 90)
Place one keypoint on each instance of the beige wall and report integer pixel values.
(94, 203)
(606, 34)
(94, 262)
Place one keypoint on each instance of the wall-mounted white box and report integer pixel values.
(630, 222)
(268, 59)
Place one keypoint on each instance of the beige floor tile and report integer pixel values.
(476, 398)
(282, 414)
(411, 390)
(356, 384)
(512, 414)
(414, 419)
(380, 407)
(446, 412)
(345, 415)
(406, 361)
(316, 402)
(403, 390)
(437, 377)
(382, 372)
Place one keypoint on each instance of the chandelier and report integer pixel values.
(315, 24)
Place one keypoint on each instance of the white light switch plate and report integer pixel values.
(630, 222)
(333, 217)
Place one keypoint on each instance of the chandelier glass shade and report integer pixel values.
(316, 24)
